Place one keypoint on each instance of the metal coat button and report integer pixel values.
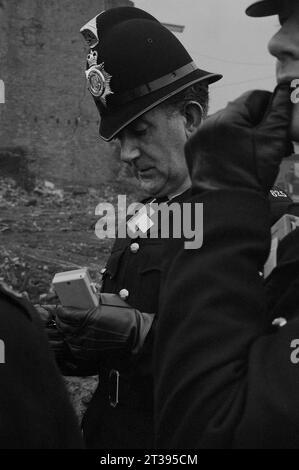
(124, 294)
(135, 247)
(103, 271)
(280, 322)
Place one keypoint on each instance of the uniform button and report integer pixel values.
(103, 271)
(124, 294)
(280, 322)
(135, 247)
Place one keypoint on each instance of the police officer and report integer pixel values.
(284, 45)
(34, 407)
(229, 376)
(151, 97)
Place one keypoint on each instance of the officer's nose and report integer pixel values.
(129, 150)
(282, 45)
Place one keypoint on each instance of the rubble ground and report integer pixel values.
(50, 230)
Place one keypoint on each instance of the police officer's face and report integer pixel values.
(285, 43)
(285, 47)
(154, 146)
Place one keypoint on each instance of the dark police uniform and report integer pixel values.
(134, 272)
(237, 385)
(34, 407)
(134, 64)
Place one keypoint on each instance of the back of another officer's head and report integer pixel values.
(150, 94)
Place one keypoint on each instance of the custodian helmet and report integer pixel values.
(134, 64)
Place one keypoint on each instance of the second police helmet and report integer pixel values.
(265, 8)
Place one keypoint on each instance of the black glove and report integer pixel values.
(242, 146)
(59, 347)
(112, 326)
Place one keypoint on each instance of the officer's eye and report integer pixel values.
(285, 15)
(139, 131)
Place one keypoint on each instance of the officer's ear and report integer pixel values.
(193, 114)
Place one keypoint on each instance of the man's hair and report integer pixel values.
(197, 92)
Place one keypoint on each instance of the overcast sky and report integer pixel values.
(221, 38)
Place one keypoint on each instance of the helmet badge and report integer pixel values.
(98, 79)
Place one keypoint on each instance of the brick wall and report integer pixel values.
(48, 111)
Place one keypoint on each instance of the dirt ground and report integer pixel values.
(49, 230)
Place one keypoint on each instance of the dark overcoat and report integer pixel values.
(225, 376)
(35, 412)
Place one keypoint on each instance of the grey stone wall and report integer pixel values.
(48, 111)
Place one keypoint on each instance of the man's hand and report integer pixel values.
(113, 325)
(243, 145)
(46, 313)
